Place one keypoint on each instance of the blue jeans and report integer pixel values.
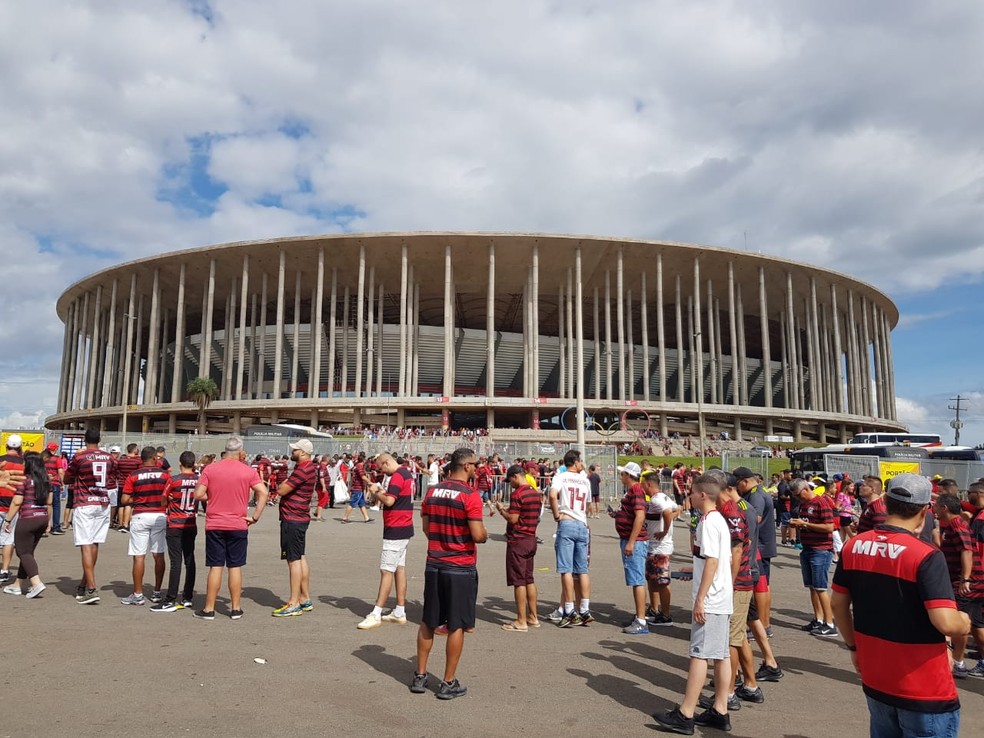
(56, 493)
(894, 722)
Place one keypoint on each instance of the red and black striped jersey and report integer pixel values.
(182, 508)
(125, 466)
(819, 510)
(734, 515)
(633, 501)
(526, 502)
(146, 487)
(873, 515)
(295, 507)
(53, 467)
(894, 579)
(448, 507)
(357, 478)
(955, 538)
(12, 462)
(92, 473)
(483, 477)
(398, 518)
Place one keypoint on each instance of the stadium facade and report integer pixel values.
(479, 330)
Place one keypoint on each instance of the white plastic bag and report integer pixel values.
(341, 491)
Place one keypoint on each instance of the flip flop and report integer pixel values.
(513, 628)
(533, 623)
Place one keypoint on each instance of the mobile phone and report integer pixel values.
(611, 509)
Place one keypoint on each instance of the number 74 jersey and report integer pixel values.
(573, 494)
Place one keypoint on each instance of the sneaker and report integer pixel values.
(750, 695)
(166, 606)
(204, 614)
(79, 592)
(586, 618)
(133, 599)
(391, 618)
(237, 614)
(769, 633)
(960, 672)
(452, 689)
(187, 603)
(811, 625)
(418, 685)
(34, 591)
(706, 702)
(977, 672)
(156, 596)
(675, 721)
(371, 621)
(636, 629)
(307, 606)
(123, 529)
(570, 620)
(58, 532)
(556, 616)
(651, 613)
(711, 718)
(4, 576)
(659, 619)
(825, 631)
(287, 611)
(768, 673)
(12, 589)
(89, 597)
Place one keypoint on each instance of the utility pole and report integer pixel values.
(956, 423)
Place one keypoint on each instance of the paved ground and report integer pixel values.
(112, 670)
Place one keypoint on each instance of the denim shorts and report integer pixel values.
(815, 566)
(894, 722)
(635, 565)
(572, 547)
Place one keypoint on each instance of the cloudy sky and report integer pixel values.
(838, 133)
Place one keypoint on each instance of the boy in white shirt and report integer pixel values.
(661, 511)
(713, 605)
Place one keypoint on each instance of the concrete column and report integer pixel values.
(80, 368)
(877, 340)
(333, 323)
(608, 336)
(253, 323)
(370, 330)
(571, 370)
(766, 348)
(150, 381)
(278, 358)
(296, 338)
(597, 348)
(92, 365)
(830, 369)
(379, 343)
(243, 299)
(359, 314)
(314, 380)
(890, 370)
(448, 388)
(562, 351)
(691, 342)
(165, 322)
(786, 360)
(228, 354)
(345, 341)
(579, 359)
(644, 320)
(698, 356)
(661, 332)
(131, 316)
(535, 322)
(630, 348)
(490, 326)
(733, 336)
(792, 400)
(416, 336)
(742, 359)
(681, 386)
(66, 357)
(854, 382)
(865, 355)
(137, 353)
(838, 353)
(403, 321)
(620, 323)
(527, 343)
(260, 380)
(816, 363)
(179, 338)
(108, 373)
(205, 362)
(719, 356)
(711, 328)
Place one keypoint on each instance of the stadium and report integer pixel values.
(493, 331)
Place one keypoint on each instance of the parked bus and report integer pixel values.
(809, 461)
(897, 439)
(957, 453)
(284, 430)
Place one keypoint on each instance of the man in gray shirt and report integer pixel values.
(751, 490)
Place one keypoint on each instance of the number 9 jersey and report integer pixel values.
(93, 473)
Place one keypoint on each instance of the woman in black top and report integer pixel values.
(32, 503)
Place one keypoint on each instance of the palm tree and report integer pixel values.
(201, 391)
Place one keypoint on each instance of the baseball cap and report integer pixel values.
(303, 445)
(114, 449)
(14, 441)
(838, 477)
(911, 488)
(632, 469)
(52, 446)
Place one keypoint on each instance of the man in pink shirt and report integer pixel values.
(226, 485)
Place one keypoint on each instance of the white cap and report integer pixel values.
(114, 449)
(14, 441)
(632, 469)
(303, 445)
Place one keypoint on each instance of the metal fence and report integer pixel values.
(758, 464)
(856, 466)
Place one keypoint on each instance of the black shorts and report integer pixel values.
(974, 609)
(753, 611)
(293, 538)
(225, 548)
(519, 561)
(69, 497)
(449, 597)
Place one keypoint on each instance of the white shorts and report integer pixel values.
(90, 524)
(114, 497)
(394, 554)
(7, 539)
(148, 534)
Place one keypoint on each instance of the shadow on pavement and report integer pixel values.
(262, 597)
(353, 604)
(623, 691)
(400, 669)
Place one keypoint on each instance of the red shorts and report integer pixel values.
(762, 585)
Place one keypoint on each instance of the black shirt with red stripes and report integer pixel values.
(955, 538)
(398, 517)
(448, 507)
(182, 508)
(146, 488)
(295, 507)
